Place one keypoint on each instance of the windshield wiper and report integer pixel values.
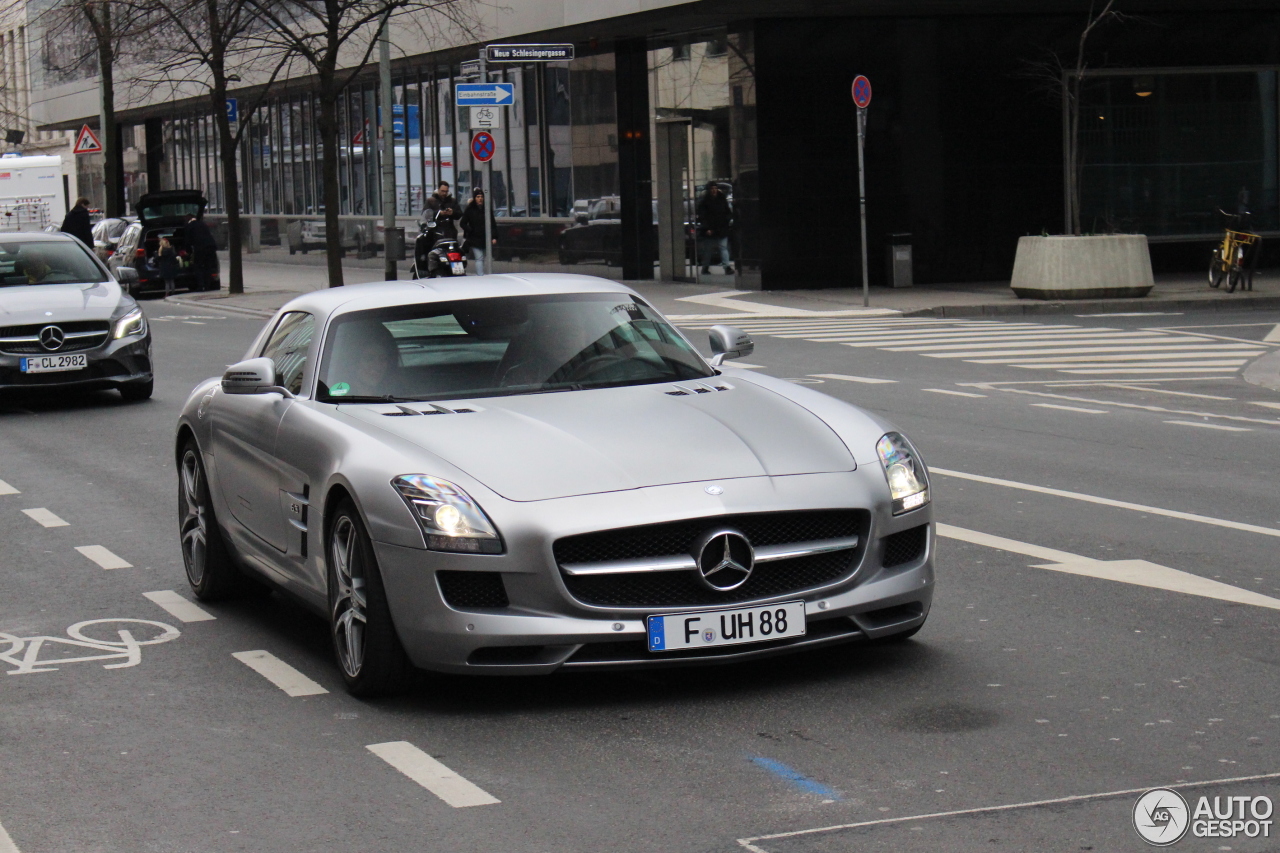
(386, 398)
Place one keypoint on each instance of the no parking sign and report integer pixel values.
(483, 146)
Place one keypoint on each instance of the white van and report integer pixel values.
(31, 193)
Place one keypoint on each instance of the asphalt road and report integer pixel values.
(1119, 669)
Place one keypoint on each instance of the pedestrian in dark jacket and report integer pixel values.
(715, 218)
(204, 252)
(76, 222)
(473, 228)
(442, 201)
(167, 262)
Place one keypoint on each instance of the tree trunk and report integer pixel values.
(113, 192)
(328, 126)
(230, 187)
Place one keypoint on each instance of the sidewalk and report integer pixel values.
(270, 283)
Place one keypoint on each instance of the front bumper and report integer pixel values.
(544, 628)
(118, 362)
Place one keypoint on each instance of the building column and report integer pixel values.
(635, 173)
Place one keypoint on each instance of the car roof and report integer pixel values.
(362, 297)
(37, 237)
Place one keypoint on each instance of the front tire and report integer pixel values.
(211, 571)
(369, 653)
(1216, 272)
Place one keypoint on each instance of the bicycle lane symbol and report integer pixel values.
(23, 653)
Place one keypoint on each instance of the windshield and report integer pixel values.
(170, 210)
(46, 263)
(501, 346)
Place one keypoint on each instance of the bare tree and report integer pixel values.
(211, 44)
(101, 27)
(333, 39)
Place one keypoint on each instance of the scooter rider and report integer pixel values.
(444, 208)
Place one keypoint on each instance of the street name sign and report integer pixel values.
(528, 52)
(87, 142)
(486, 94)
(483, 146)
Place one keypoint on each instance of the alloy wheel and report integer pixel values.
(194, 523)
(349, 616)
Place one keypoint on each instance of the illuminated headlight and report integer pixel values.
(450, 519)
(908, 481)
(130, 325)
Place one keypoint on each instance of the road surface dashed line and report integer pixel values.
(178, 607)
(6, 489)
(952, 393)
(432, 775)
(1070, 408)
(44, 518)
(1210, 426)
(103, 557)
(279, 673)
(6, 843)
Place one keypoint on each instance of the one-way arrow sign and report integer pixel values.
(486, 94)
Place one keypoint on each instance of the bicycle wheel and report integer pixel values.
(1217, 269)
(1236, 275)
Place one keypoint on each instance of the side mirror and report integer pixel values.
(126, 275)
(728, 342)
(255, 376)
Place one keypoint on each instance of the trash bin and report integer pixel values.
(898, 271)
(394, 239)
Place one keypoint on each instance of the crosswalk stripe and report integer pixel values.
(1065, 348)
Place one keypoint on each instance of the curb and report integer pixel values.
(1227, 303)
(233, 309)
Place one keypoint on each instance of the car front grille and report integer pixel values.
(684, 588)
(904, 547)
(95, 332)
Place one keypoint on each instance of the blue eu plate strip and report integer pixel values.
(657, 634)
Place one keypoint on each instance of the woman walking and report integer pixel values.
(473, 228)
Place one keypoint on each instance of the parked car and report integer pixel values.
(107, 234)
(68, 322)
(160, 214)
(514, 475)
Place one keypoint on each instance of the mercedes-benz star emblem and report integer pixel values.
(725, 559)
(52, 338)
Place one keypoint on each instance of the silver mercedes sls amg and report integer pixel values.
(520, 473)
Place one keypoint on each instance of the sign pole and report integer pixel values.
(862, 203)
(488, 183)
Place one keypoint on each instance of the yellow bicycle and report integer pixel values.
(1229, 259)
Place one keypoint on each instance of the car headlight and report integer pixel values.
(908, 482)
(133, 323)
(450, 518)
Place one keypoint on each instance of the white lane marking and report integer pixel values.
(178, 607)
(744, 365)
(953, 393)
(103, 557)
(724, 299)
(1053, 347)
(44, 518)
(1273, 335)
(1071, 408)
(999, 341)
(279, 673)
(864, 379)
(6, 843)
(1145, 354)
(1147, 370)
(432, 775)
(1150, 510)
(193, 322)
(1268, 405)
(749, 844)
(1154, 390)
(1137, 314)
(1210, 426)
(987, 386)
(1136, 572)
(6, 489)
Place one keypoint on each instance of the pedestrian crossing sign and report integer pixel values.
(87, 142)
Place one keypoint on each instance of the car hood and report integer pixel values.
(541, 446)
(41, 303)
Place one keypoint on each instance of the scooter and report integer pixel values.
(435, 255)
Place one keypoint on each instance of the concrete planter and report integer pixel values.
(1113, 266)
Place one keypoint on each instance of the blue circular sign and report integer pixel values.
(483, 146)
(861, 92)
